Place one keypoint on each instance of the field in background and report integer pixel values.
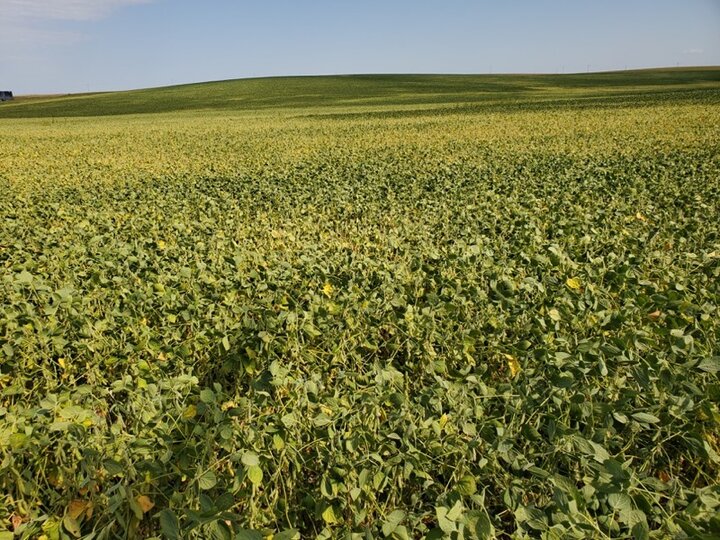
(379, 306)
(396, 94)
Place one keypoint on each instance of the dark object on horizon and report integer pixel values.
(5, 95)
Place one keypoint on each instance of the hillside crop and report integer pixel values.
(454, 323)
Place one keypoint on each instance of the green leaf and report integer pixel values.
(445, 519)
(6, 535)
(24, 277)
(311, 331)
(641, 531)
(72, 526)
(599, 453)
(479, 526)
(289, 534)
(207, 480)
(710, 365)
(632, 517)
(247, 534)
(591, 448)
(620, 502)
(393, 520)
(322, 419)
(645, 418)
(169, 524)
(113, 468)
(289, 420)
(135, 507)
(207, 396)
(456, 511)
(250, 459)
(219, 530)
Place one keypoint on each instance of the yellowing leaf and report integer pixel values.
(443, 420)
(640, 217)
(189, 413)
(72, 526)
(554, 314)
(228, 405)
(327, 410)
(61, 363)
(161, 244)
(574, 283)
(327, 289)
(145, 503)
(513, 365)
(467, 485)
(278, 442)
(255, 474)
(329, 516)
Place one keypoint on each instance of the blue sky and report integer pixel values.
(57, 46)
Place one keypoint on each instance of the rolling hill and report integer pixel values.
(383, 93)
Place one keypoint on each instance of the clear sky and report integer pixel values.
(57, 46)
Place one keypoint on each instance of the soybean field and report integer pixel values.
(363, 307)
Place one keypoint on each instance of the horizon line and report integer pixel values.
(380, 74)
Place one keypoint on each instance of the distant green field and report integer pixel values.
(462, 307)
(390, 92)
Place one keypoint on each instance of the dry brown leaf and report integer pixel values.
(76, 508)
(16, 521)
(145, 503)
